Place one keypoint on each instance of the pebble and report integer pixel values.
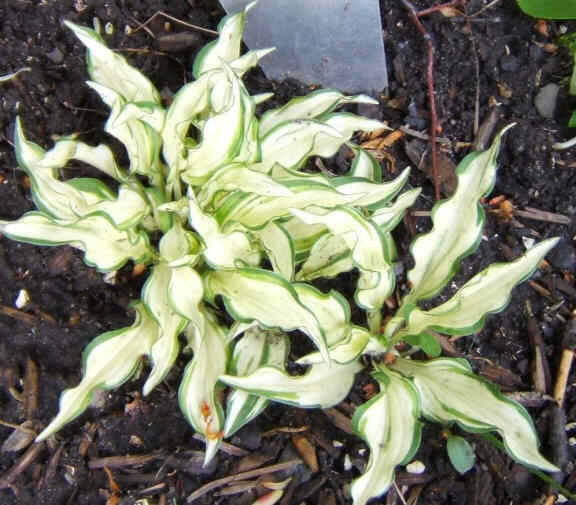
(509, 63)
(347, 463)
(55, 56)
(545, 100)
(416, 467)
(22, 299)
(182, 41)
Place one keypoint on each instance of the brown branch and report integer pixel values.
(242, 476)
(431, 51)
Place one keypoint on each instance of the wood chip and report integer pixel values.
(540, 368)
(31, 389)
(306, 450)
(340, 420)
(22, 436)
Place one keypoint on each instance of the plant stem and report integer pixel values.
(375, 321)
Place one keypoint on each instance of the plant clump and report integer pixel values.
(233, 215)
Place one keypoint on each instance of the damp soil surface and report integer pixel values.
(491, 62)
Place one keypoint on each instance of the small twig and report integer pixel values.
(242, 476)
(285, 429)
(431, 51)
(52, 465)
(176, 20)
(439, 7)
(18, 314)
(542, 215)
(122, 461)
(423, 136)
(484, 9)
(155, 489)
(21, 465)
(399, 494)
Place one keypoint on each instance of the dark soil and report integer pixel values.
(495, 57)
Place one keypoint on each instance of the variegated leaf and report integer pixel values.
(279, 248)
(303, 236)
(364, 239)
(237, 177)
(152, 114)
(227, 47)
(457, 227)
(109, 360)
(291, 143)
(365, 166)
(388, 217)
(191, 100)
(198, 394)
(322, 386)
(105, 246)
(450, 392)
(331, 309)
(311, 106)
(179, 246)
(185, 293)
(372, 195)
(142, 142)
(329, 256)
(31, 156)
(76, 198)
(254, 294)
(254, 211)
(223, 250)
(257, 347)
(486, 293)
(156, 297)
(111, 69)
(248, 61)
(346, 350)
(389, 425)
(347, 123)
(228, 135)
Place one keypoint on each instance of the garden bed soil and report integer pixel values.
(128, 448)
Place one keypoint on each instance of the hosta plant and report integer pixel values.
(231, 220)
